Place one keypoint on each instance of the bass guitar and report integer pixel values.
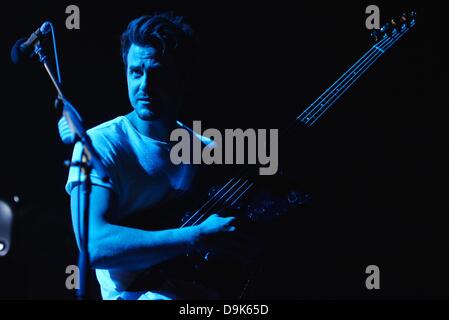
(257, 207)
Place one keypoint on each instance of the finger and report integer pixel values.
(66, 130)
(230, 219)
(63, 122)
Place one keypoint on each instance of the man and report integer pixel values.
(134, 148)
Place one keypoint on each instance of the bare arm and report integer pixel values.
(112, 246)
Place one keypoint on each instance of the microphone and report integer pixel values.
(23, 48)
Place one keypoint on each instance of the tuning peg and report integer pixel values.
(403, 18)
(403, 21)
(394, 25)
(385, 28)
(375, 35)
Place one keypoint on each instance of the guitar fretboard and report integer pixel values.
(317, 109)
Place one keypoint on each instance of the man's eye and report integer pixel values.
(135, 72)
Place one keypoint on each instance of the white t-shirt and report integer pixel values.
(141, 175)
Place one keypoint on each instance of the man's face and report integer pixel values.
(153, 85)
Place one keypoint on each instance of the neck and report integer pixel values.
(159, 129)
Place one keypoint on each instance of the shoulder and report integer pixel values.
(110, 134)
(109, 128)
(108, 138)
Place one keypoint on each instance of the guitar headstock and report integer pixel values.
(405, 21)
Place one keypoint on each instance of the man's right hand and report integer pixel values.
(216, 224)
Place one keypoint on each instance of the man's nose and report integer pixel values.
(144, 83)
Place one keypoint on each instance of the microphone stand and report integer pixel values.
(91, 160)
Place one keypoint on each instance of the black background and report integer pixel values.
(377, 163)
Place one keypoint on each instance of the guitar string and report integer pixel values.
(355, 75)
(216, 195)
(304, 114)
(224, 202)
(321, 107)
(220, 200)
(244, 191)
(377, 50)
(340, 86)
(313, 106)
(396, 38)
(352, 80)
(236, 199)
(308, 110)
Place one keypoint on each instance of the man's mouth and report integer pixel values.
(145, 100)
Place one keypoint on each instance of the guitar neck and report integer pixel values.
(328, 98)
(238, 186)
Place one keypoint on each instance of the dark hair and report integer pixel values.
(167, 33)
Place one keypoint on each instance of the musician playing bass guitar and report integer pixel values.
(157, 52)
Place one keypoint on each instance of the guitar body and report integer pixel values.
(227, 273)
